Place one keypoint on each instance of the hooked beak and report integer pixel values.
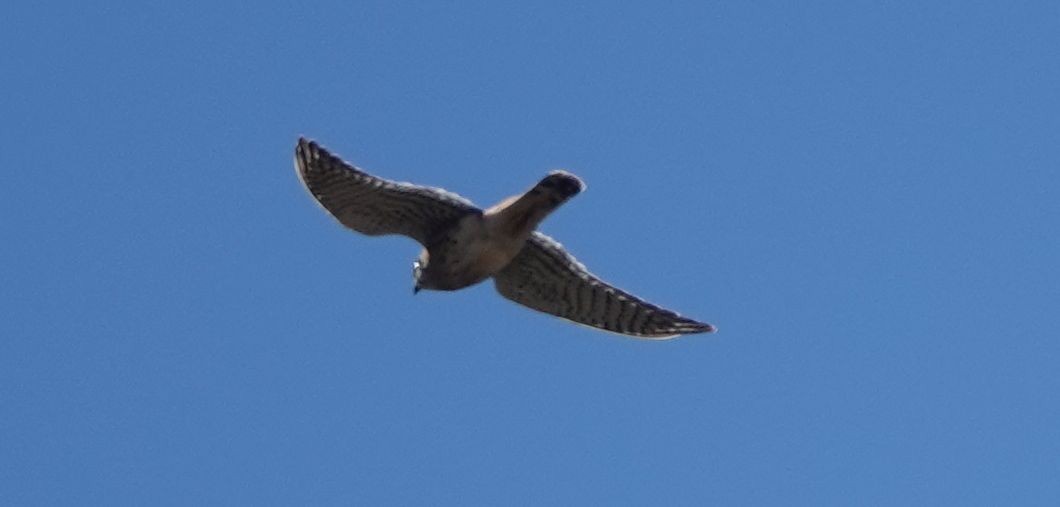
(416, 289)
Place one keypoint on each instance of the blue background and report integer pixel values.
(861, 195)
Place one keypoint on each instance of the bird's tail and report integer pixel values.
(559, 186)
(524, 212)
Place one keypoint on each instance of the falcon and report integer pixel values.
(464, 245)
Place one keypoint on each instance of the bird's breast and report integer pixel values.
(471, 252)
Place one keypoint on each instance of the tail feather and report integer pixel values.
(560, 186)
(523, 213)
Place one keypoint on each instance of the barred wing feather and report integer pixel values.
(543, 276)
(372, 205)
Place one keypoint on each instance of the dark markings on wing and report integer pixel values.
(548, 279)
(373, 205)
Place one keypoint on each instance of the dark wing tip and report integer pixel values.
(301, 161)
(310, 157)
(302, 150)
(702, 327)
(306, 145)
(684, 327)
(669, 325)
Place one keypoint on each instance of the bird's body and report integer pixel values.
(480, 245)
(472, 250)
(464, 245)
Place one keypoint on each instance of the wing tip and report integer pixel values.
(302, 152)
(678, 329)
(699, 328)
(695, 327)
(311, 157)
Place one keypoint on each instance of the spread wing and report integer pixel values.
(548, 279)
(373, 205)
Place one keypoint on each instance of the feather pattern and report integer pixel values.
(543, 276)
(376, 206)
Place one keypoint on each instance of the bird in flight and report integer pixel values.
(464, 245)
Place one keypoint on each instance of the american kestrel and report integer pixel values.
(464, 245)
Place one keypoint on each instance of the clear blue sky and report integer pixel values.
(861, 195)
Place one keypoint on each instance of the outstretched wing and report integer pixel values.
(548, 279)
(373, 205)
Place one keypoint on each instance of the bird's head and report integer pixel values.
(417, 272)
